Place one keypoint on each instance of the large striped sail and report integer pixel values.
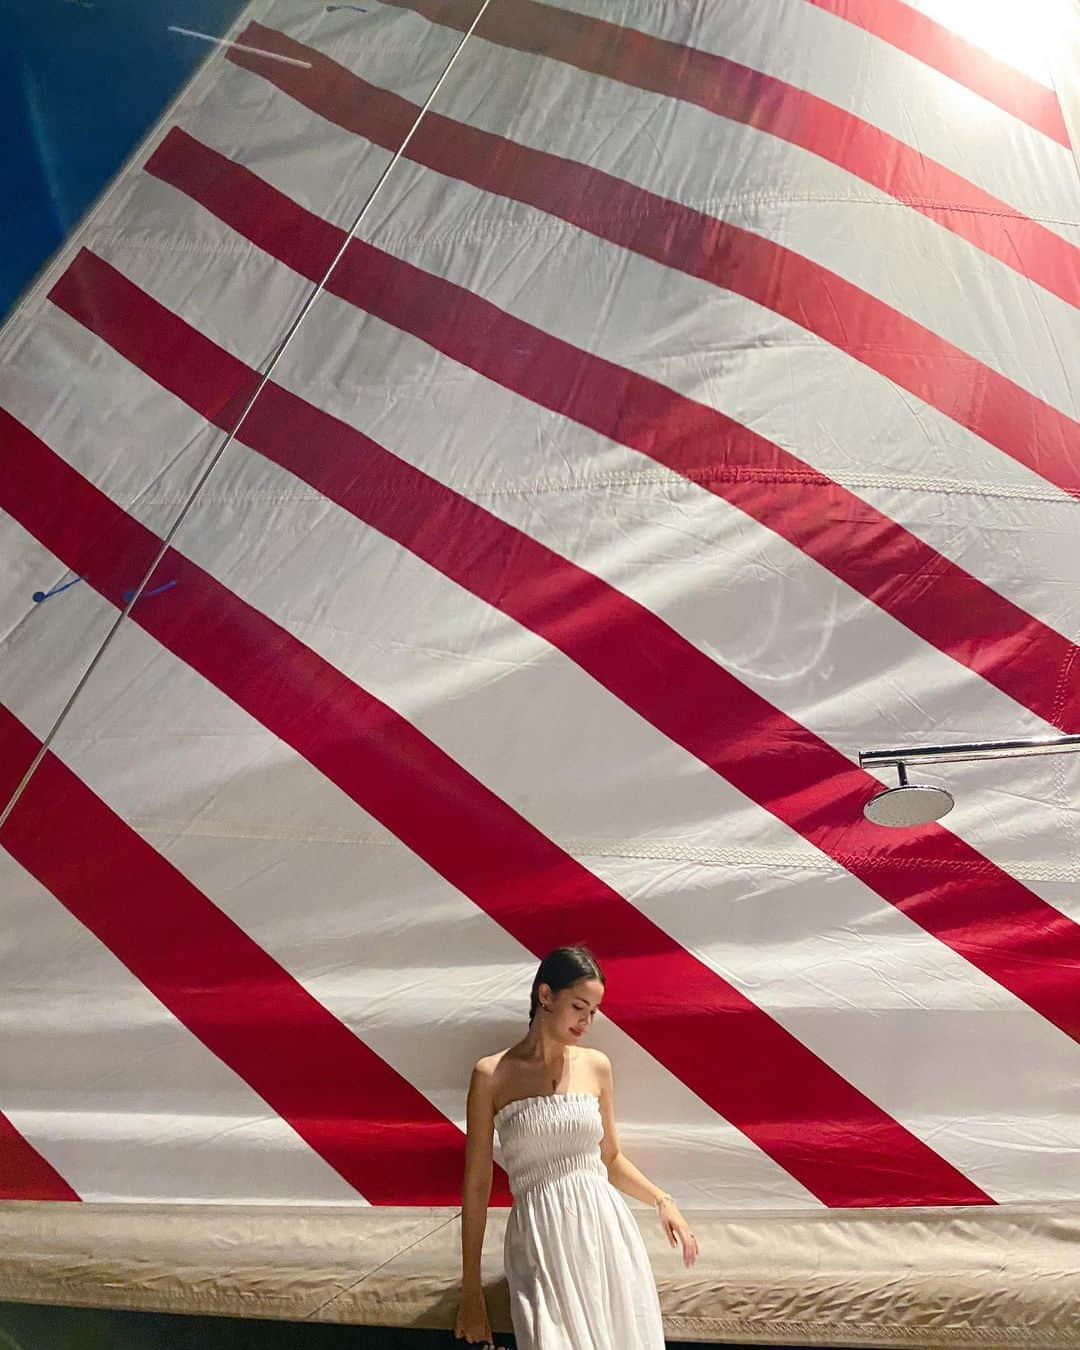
(487, 471)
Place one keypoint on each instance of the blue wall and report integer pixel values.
(81, 82)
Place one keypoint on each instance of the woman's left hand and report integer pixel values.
(678, 1230)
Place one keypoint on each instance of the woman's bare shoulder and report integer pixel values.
(486, 1069)
(487, 1064)
(486, 1082)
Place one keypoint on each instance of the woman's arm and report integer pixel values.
(624, 1176)
(479, 1170)
(622, 1173)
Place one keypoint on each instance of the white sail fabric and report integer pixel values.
(694, 407)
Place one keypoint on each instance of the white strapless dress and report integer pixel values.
(576, 1265)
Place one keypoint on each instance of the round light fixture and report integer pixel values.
(909, 804)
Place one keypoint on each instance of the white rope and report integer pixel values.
(240, 46)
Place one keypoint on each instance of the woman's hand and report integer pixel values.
(472, 1323)
(678, 1230)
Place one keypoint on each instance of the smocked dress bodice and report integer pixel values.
(544, 1138)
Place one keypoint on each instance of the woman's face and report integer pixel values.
(572, 1009)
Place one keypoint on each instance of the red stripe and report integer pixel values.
(949, 379)
(939, 601)
(24, 1173)
(935, 45)
(847, 1151)
(742, 94)
(935, 878)
(359, 1114)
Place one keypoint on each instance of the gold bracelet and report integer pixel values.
(661, 1198)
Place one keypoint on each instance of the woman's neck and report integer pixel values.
(540, 1049)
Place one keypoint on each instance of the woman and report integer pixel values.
(576, 1265)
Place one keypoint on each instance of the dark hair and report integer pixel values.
(562, 968)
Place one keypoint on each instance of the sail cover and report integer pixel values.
(475, 483)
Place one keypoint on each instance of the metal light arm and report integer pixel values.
(952, 754)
